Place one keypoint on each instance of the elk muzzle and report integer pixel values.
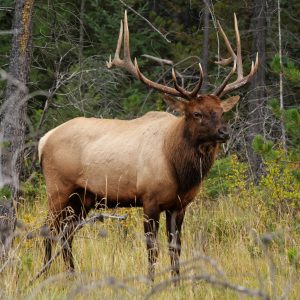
(223, 133)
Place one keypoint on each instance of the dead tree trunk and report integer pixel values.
(283, 134)
(256, 106)
(13, 120)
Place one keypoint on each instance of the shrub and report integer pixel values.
(226, 176)
(280, 187)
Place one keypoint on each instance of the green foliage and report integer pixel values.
(34, 188)
(292, 124)
(160, 104)
(264, 148)
(5, 192)
(274, 105)
(289, 69)
(226, 176)
(291, 121)
(280, 187)
(275, 64)
(132, 103)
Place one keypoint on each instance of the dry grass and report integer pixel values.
(111, 258)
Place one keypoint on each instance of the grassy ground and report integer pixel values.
(226, 246)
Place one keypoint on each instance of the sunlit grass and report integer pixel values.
(111, 260)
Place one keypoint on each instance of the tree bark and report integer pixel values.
(256, 101)
(13, 120)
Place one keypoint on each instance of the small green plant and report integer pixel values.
(293, 257)
(34, 187)
(227, 176)
(5, 192)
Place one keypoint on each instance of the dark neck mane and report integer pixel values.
(190, 163)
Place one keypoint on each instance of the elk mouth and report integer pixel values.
(222, 139)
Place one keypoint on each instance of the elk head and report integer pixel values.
(203, 113)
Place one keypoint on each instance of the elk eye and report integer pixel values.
(197, 115)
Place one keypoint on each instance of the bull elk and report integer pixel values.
(157, 161)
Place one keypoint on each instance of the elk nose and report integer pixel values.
(223, 133)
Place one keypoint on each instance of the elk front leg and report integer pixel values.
(151, 225)
(174, 221)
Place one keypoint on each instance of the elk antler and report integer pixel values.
(236, 58)
(194, 92)
(126, 63)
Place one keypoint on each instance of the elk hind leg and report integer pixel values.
(50, 231)
(58, 198)
(48, 241)
(151, 226)
(79, 206)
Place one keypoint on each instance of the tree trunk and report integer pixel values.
(283, 135)
(257, 96)
(13, 121)
(205, 46)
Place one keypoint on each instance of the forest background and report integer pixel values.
(68, 44)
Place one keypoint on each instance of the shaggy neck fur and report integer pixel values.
(190, 161)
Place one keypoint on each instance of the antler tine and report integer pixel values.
(199, 84)
(127, 59)
(155, 85)
(126, 39)
(125, 63)
(219, 90)
(226, 61)
(178, 87)
(119, 44)
(110, 63)
(241, 80)
(238, 83)
(239, 61)
(194, 92)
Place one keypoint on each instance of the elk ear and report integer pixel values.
(229, 103)
(174, 103)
